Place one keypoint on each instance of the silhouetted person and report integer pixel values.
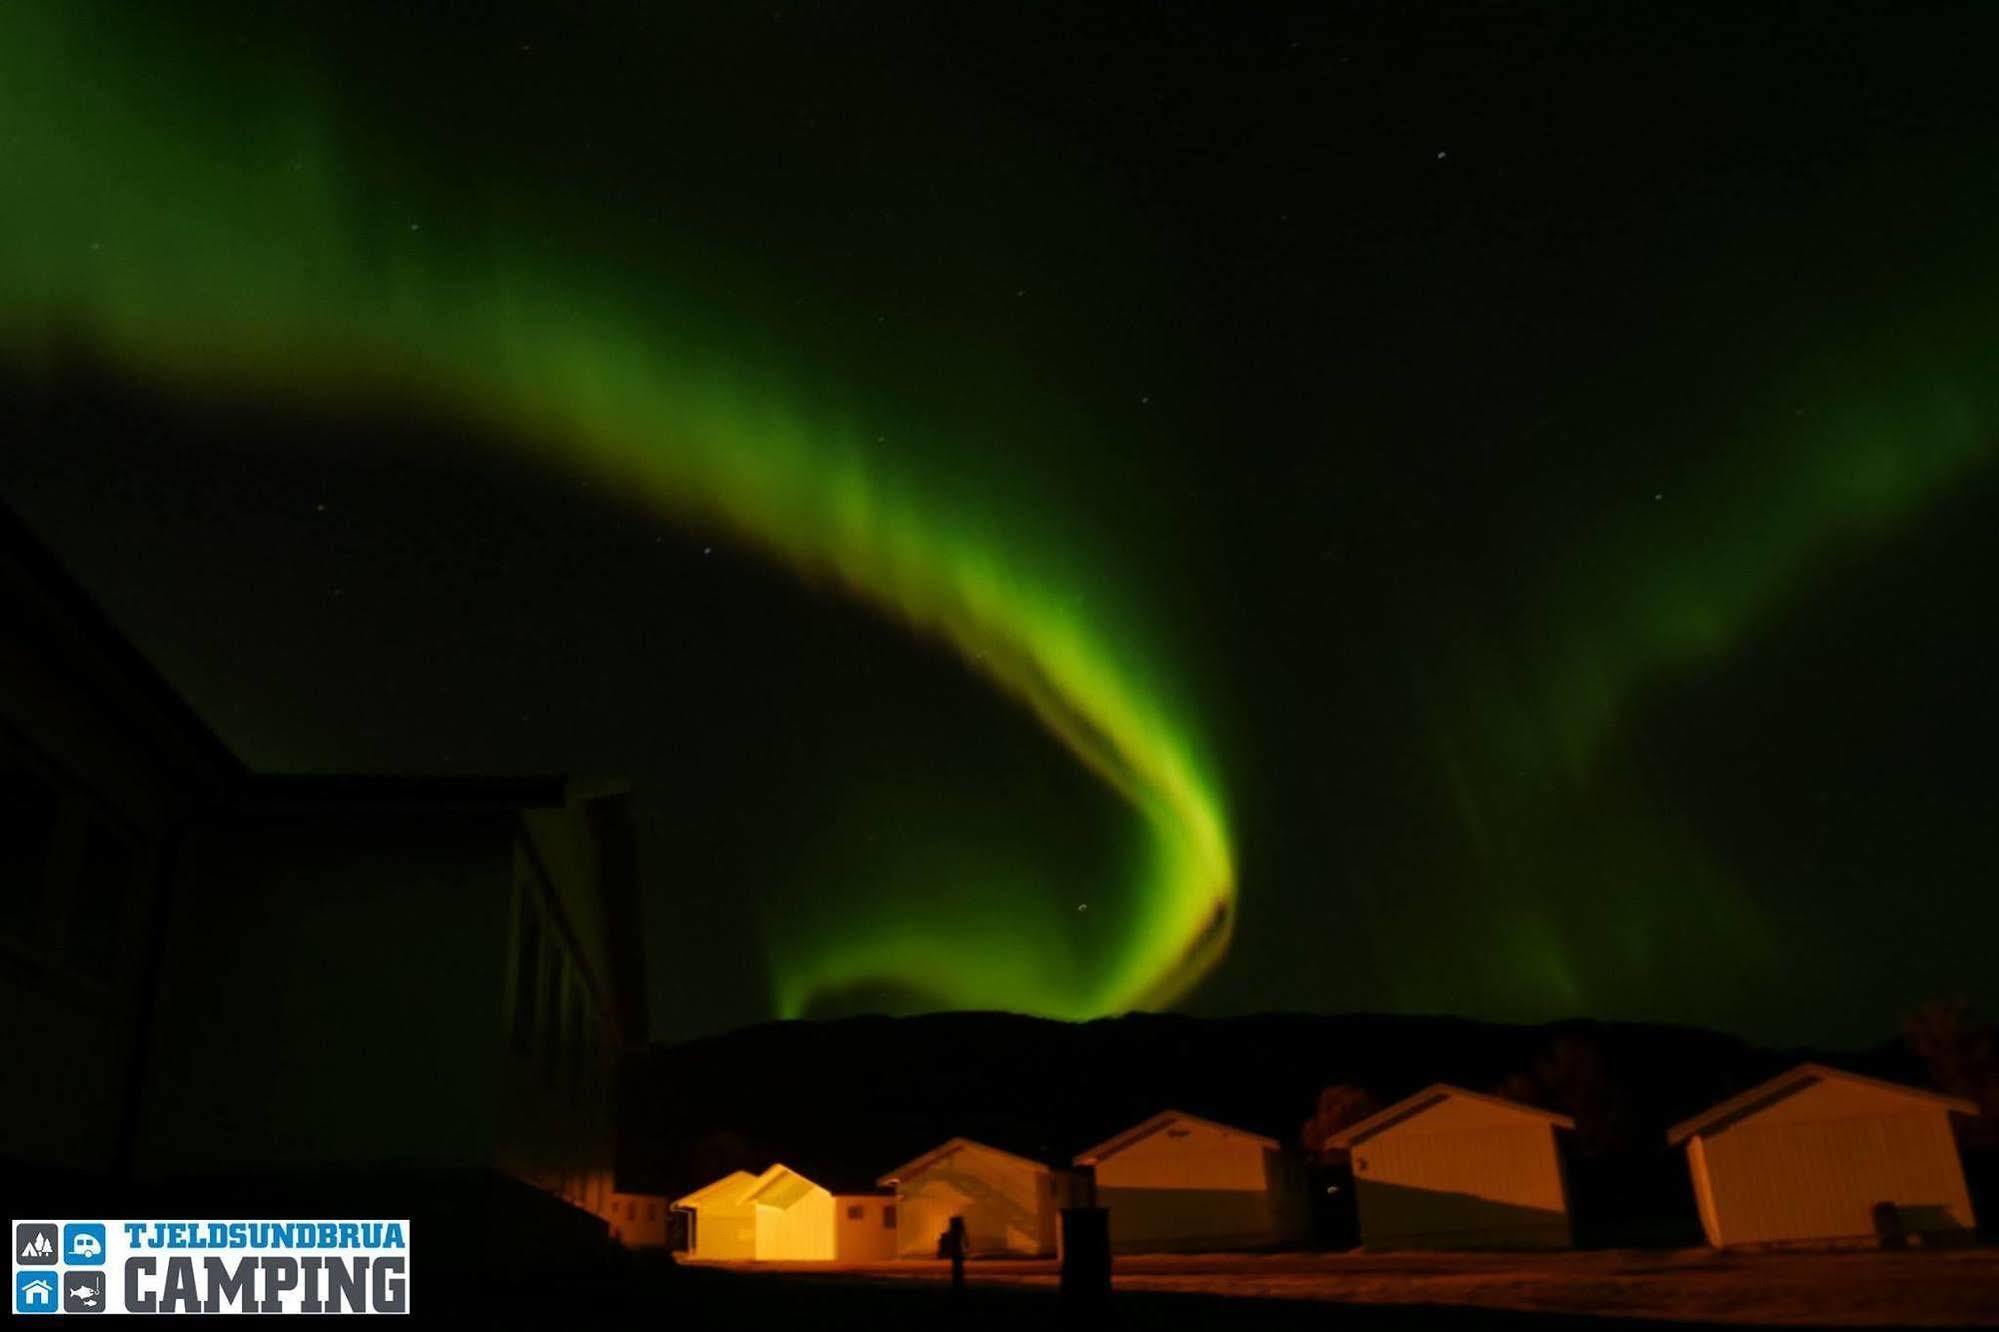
(954, 1249)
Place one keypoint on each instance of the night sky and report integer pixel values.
(1483, 509)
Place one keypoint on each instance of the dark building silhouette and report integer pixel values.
(342, 994)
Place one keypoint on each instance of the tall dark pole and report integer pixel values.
(1086, 1257)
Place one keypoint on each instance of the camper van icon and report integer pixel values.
(83, 1242)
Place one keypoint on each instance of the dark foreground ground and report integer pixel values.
(1359, 1291)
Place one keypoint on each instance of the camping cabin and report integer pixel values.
(1177, 1182)
(1452, 1169)
(782, 1216)
(1820, 1156)
(1011, 1205)
(799, 1221)
(721, 1221)
(793, 1218)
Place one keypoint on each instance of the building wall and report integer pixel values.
(1816, 1165)
(1009, 1206)
(561, 843)
(723, 1227)
(800, 1233)
(79, 874)
(95, 777)
(548, 1023)
(724, 1233)
(330, 995)
(864, 1228)
(1703, 1195)
(1462, 1175)
(1189, 1186)
(637, 1221)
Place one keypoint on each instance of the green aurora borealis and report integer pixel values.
(1543, 508)
(1858, 436)
(220, 250)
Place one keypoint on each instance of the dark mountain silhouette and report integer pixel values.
(847, 1100)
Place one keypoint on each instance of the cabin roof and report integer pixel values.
(733, 1187)
(1769, 1092)
(923, 1162)
(1164, 1119)
(780, 1187)
(1411, 1106)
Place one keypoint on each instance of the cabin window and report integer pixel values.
(888, 1216)
(855, 1211)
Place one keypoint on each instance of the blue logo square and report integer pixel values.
(83, 1243)
(37, 1291)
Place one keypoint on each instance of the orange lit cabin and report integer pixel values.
(1818, 1155)
(1453, 1169)
(721, 1222)
(782, 1216)
(1011, 1205)
(1179, 1182)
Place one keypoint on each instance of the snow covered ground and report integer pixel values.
(1857, 1288)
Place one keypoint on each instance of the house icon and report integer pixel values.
(35, 1293)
